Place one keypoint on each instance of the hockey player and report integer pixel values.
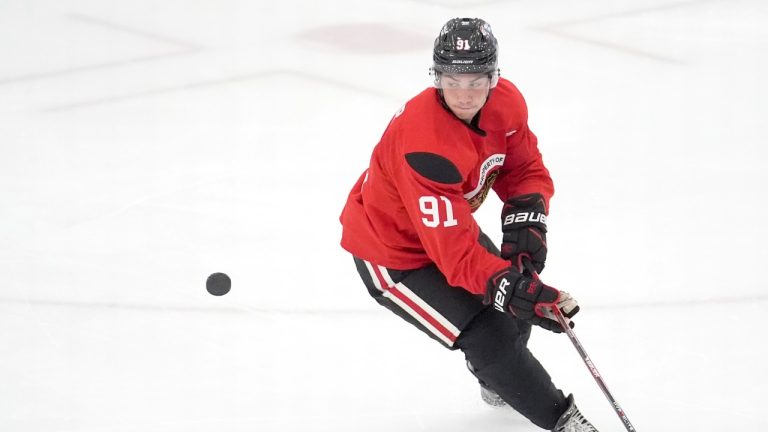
(408, 223)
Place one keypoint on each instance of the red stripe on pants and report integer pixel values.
(415, 307)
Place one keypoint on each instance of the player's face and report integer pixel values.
(465, 94)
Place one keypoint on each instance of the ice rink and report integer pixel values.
(145, 145)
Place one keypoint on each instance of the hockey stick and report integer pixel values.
(583, 353)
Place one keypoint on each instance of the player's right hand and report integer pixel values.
(524, 224)
(529, 299)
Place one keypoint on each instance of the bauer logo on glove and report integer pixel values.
(514, 218)
(500, 296)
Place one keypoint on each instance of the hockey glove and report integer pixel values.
(524, 224)
(529, 299)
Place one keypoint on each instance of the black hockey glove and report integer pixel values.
(529, 299)
(524, 224)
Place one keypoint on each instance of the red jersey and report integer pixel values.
(399, 218)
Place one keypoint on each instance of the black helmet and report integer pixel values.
(465, 45)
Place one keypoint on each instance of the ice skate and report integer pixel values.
(572, 420)
(488, 395)
(491, 397)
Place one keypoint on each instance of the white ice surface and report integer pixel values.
(145, 145)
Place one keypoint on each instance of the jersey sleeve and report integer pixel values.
(523, 171)
(430, 188)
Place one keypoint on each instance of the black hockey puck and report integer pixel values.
(218, 284)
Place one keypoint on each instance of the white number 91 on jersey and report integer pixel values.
(430, 207)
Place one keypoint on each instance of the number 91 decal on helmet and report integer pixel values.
(466, 46)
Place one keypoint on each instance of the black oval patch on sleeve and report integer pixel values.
(434, 167)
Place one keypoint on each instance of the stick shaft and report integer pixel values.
(524, 261)
(593, 370)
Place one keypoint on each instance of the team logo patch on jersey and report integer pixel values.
(476, 201)
(485, 180)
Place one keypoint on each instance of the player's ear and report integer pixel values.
(435, 76)
(495, 77)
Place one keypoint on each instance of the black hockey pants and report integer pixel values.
(494, 343)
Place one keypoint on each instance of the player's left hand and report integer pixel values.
(530, 299)
(524, 224)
